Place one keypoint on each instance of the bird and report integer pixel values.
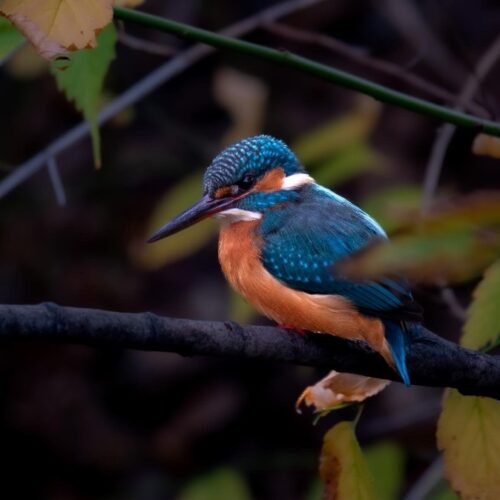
(282, 241)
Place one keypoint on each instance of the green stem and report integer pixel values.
(328, 73)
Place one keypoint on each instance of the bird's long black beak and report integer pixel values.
(203, 209)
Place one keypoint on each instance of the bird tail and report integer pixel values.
(395, 333)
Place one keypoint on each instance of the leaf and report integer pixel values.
(386, 463)
(329, 139)
(482, 327)
(57, 26)
(82, 81)
(343, 468)
(340, 388)
(244, 97)
(486, 145)
(217, 485)
(469, 435)
(452, 245)
(390, 205)
(182, 244)
(10, 38)
(351, 161)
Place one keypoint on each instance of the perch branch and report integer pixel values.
(432, 361)
(328, 73)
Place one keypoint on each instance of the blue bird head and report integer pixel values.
(242, 182)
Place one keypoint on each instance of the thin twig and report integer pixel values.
(427, 481)
(307, 66)
(361, 57)
(445, 134)
(56, 181)
(143, 45)
(143, 87)
(432, 360)
(454, 306)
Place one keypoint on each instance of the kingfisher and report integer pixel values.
(281, 243)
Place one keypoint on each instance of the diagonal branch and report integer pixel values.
(432, 361)
(308, 66)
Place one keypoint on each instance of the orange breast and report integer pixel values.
(239, 257)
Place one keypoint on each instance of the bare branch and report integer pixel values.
(142, 88)
(55, 179)
(432, 361)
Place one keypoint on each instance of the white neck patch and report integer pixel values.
(296, 180)
(237, 215)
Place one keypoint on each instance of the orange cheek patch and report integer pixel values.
(272, 181)
(223, 191)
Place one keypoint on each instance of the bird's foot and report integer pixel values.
(294, 329)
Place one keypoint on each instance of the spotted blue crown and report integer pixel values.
(254, 155)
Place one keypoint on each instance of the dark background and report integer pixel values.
(79, 423)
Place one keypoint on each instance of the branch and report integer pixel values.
(328, 73)
(432, 361)
(145, 86)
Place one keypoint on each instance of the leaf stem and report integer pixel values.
(328, 73)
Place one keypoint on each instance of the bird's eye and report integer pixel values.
(246, 182)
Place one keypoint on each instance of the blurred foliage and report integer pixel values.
(469, 435)
(240, 310)
(10, 38)
(82, 78)
(220, 484)
(343, 469)
(482, 328)
(486, 145)
(390, 205)
(453, 245)
(26, 64)
(386, 461)
(185, 193)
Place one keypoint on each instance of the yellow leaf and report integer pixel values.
(57, 26)
(340, 388)
(343, 468)
(482, 327)
(486, 145)
(180, 245)
(469, 435)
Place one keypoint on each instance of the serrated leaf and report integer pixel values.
(82, 81)
(386, 463)
(343, 469)
(57, 26)
(469, 435)
(482, 327)
(217, 485)
(182, 244)
(10, 38)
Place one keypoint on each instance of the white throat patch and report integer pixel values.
(296, 180)
(237, 215)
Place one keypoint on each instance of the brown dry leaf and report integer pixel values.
(486, 145)
(339, 388)
(342, 468)
(57, 26)
(469, 435)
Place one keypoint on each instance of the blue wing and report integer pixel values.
(302, 242)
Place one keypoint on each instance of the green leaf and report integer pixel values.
(10, 38)
(482, 327)
(443, 492)
(82, 78)
(220, 484)
(350, 162)
(388, 206)
(343, 469)
(386, 463)
(182, 244)
(469, 435)
(239, 309)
